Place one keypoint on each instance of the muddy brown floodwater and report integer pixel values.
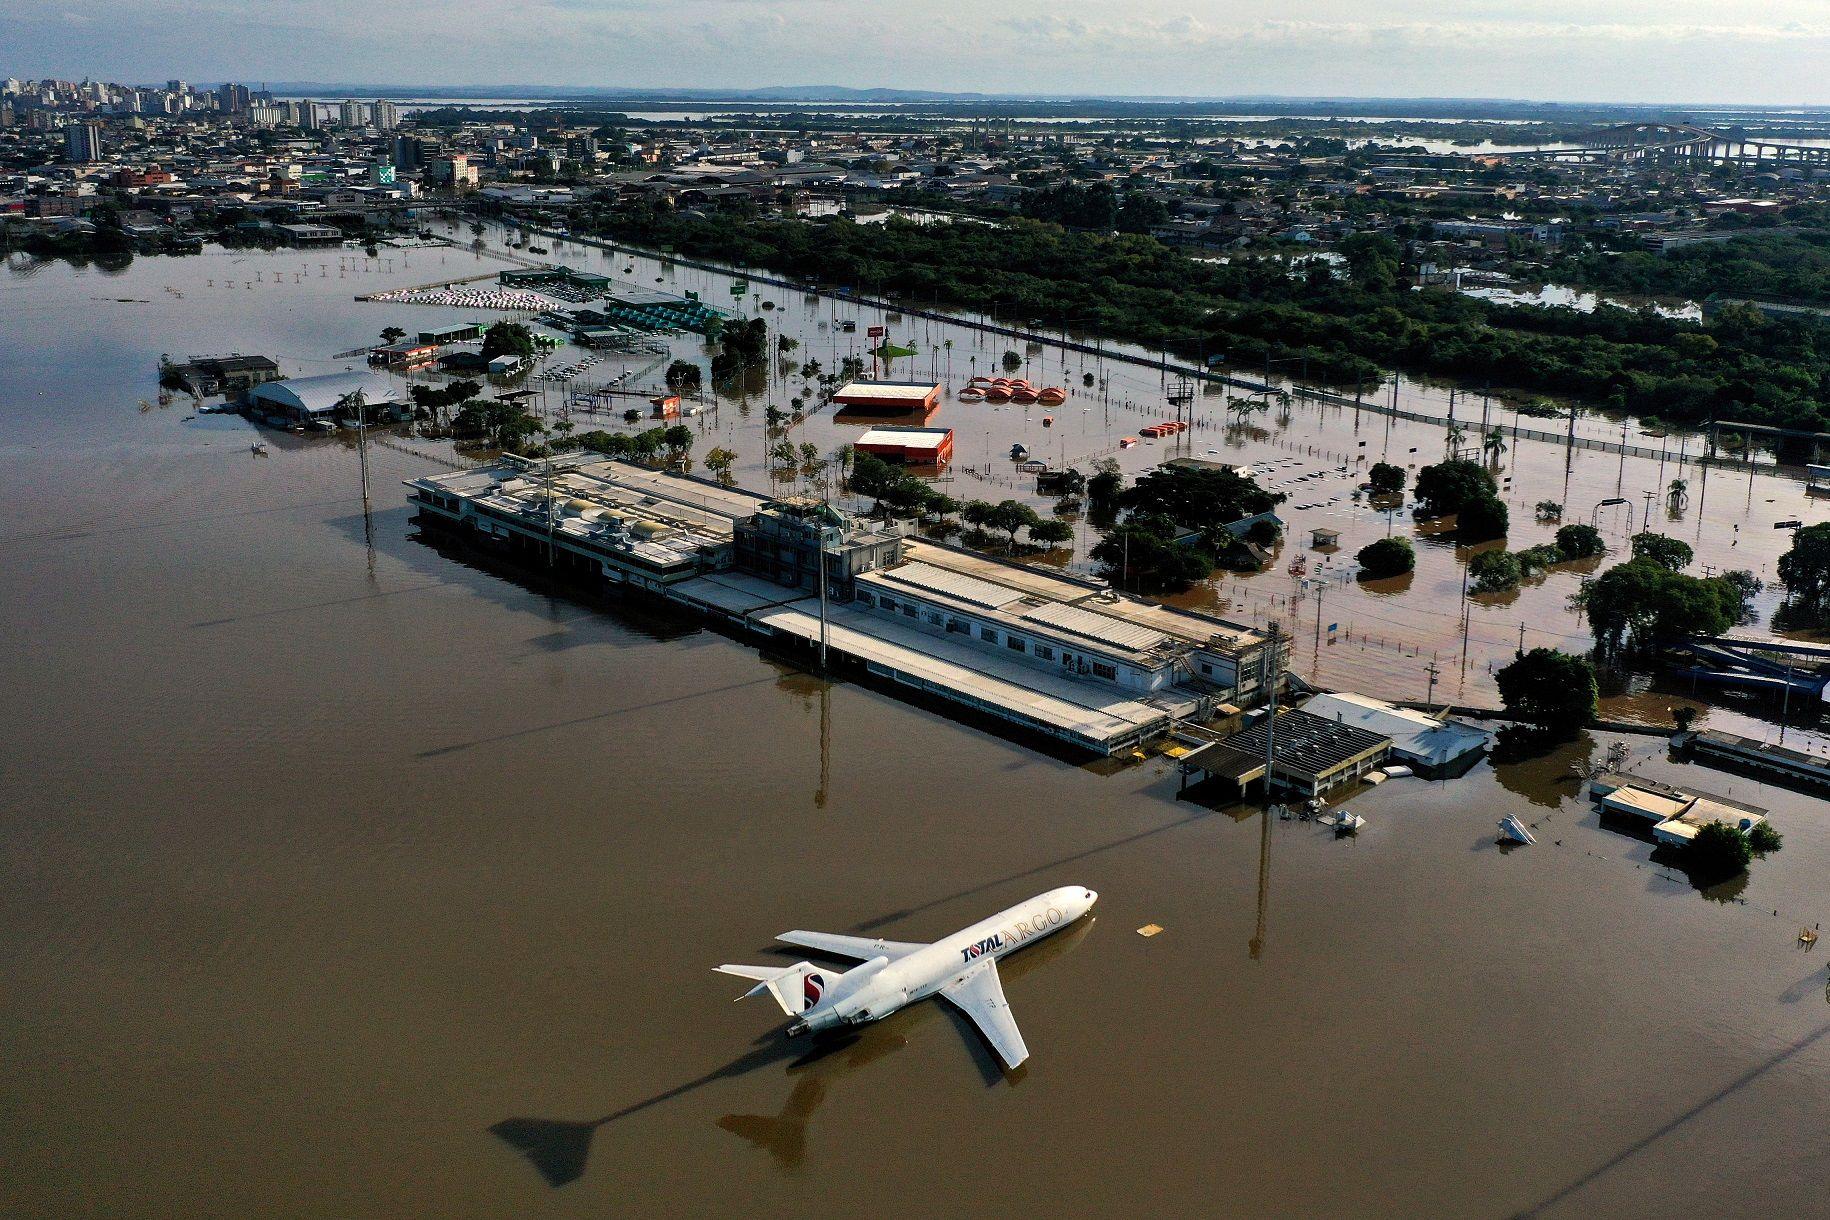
(341, 877)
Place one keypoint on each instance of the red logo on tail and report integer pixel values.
(811, 987)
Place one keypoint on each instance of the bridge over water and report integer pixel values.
(1678, 142)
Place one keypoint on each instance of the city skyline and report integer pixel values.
(1634, 52)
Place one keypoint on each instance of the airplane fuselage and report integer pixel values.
(879, 987)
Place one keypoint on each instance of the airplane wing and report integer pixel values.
(980, 995)
(861, 947)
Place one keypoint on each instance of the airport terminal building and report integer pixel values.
(1064, 658)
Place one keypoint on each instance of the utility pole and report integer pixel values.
(823, 615)
(1429, 697)
(1270, 738)
(552, 513)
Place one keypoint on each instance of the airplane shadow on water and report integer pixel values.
(559, 1149)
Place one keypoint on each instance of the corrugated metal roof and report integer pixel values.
(953, 584)
(914, 391)
(1091, 625)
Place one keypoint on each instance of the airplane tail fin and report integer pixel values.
(796, 988)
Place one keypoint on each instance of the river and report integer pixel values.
(342, 876)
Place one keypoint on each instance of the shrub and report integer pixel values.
(1718, 852)
(1494, 571)
(1445, 487)
(1580, 542)
(1534, 559)
(1763, 838)
(1482, 519)
(1386, 479)
(1667, 553)
(1550, 688)
(1387, 557)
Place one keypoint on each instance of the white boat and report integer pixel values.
(1515, 831)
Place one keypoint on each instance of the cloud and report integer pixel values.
(1702, 50)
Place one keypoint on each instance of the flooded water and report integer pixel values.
(1386, 636)
(339, 876)
(1563, 296)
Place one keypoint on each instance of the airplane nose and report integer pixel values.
(1092, 897)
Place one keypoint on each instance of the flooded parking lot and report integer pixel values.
(341, 876)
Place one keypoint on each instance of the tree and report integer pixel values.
(1494, 571)
(1011, 516)
(719, 461)
(1387, 557)
(1577, 541)
(1763, 838)
(508, 339)
(684, 377)
(1206, 500)
(976, 513)
(1141, 554)
(1051, 533)
(1551, 689)
(1446, 486)
(1549, 510)
(1372, 261)
(1012, 362)
(1804, 570)
(1667, 553)
(1104, 487)
(1648, 604)
(392, 334)
(1718, 852)
(1494, 443)
(1481, 519)
(1386, 479)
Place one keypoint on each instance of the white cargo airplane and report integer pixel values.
(962, 969)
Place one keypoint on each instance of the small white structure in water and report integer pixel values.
(1513, 829)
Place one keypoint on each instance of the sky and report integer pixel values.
(1767, 52)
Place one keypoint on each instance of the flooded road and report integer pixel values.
(341, 877)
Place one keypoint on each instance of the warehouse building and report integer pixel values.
(908, 446)
(889, 397)
(320, 400)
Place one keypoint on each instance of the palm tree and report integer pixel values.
(1677, 496)
(1456, 435)
(1494, 444)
